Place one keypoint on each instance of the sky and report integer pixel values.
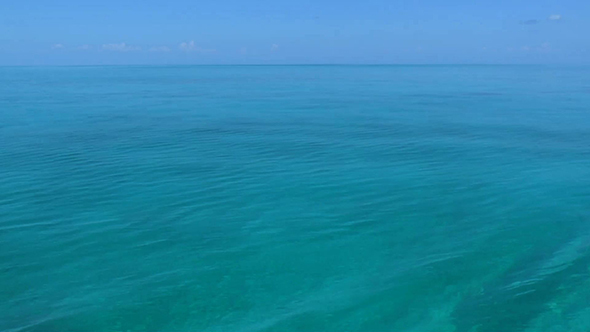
(116, 32)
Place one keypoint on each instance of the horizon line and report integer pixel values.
(301, 65)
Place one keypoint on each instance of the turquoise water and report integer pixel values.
(296, 198)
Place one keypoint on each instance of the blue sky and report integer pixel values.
(73, 32)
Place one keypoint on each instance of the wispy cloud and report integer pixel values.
(554, 17)
(274, 47)
(120, 47)
(192, 47)
(542, 48)
(85, 47)
(57, 46)
(187, 46)
(160, 49)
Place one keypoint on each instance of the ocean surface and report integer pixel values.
(295, 198)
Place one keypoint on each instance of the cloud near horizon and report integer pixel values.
(120, 47)
(192, 47)
(543, 48)
(553, 17)
(57, 46)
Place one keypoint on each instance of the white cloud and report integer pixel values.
(191, 47)
(555, 17)
(160, 49)
(274, 47)
(85, 47)
(121, 47)
(57, 46)
(526, 48)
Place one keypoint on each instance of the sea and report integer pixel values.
(295, 198)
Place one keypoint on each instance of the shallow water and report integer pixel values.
(295, 198)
